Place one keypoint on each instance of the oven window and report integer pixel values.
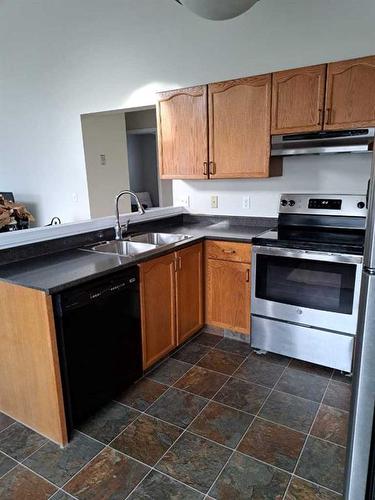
(327, 286)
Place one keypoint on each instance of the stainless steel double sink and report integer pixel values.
(137, 244)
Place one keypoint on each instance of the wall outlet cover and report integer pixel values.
(185, 201)
(214, 201)
(246, 202)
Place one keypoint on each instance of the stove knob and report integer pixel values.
(292, 203)
(360, 204)
(284, 203)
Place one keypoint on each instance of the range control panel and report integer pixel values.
(327, 204)
(323, 204)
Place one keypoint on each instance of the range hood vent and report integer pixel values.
(342, 141)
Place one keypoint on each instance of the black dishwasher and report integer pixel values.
(99, 339)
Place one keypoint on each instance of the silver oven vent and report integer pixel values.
(342, 141)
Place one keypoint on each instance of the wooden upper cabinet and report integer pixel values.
(157, 278)
(182, 133)
(239, 127)
(298, 100)
(350, 94)
(189, 284)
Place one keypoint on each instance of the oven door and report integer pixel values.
(306, 287)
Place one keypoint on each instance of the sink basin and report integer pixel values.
(138, 244)
(126, 248)
(158, 239)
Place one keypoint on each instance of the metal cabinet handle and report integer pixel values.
(247, 275)
(205, 168)
(212, 169)
(229, 251)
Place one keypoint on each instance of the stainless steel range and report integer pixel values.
(306, 279)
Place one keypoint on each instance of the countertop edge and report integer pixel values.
(129, 262)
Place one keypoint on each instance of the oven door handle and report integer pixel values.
(308, 254)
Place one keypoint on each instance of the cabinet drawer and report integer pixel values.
(227, 250)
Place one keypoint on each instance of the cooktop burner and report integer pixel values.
(312, 239)
(329, 223)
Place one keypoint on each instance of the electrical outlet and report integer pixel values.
(246, 202)
(185, 201)
(103, 160)
(214, 201)
(75, 197)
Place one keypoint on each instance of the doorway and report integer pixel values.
(142, 156)
(121, 153)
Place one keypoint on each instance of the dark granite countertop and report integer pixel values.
(58, 271)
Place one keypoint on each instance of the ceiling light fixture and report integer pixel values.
(218, 10)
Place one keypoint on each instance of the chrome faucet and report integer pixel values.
(118, 227)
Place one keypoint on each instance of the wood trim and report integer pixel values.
(30, 380)
(197, 91)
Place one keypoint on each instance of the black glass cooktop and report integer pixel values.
(330, 240)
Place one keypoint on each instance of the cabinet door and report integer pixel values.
(228, 295)
(157, 278)
(298, 100)
(182, 133)
(189, 291)
(350, 94)
(239, 127)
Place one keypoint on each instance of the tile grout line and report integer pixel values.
(187, 429)
(307, 437)
(251, 423)
(317, 484)
(180, 436)
(10, 425)
(153, 468)
(108, 445)
(34, 473)
(144, 412)
(208, 401)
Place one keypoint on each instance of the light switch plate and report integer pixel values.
(214, 201)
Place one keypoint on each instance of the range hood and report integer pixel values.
(342, 141)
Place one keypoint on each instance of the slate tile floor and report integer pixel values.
(215, 421)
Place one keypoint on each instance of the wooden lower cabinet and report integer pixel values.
(228, 286)
(158, 308)
(189, 297)
(171, 301)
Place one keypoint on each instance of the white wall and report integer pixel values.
(343, 174)
(60, 59)
(105, 134)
